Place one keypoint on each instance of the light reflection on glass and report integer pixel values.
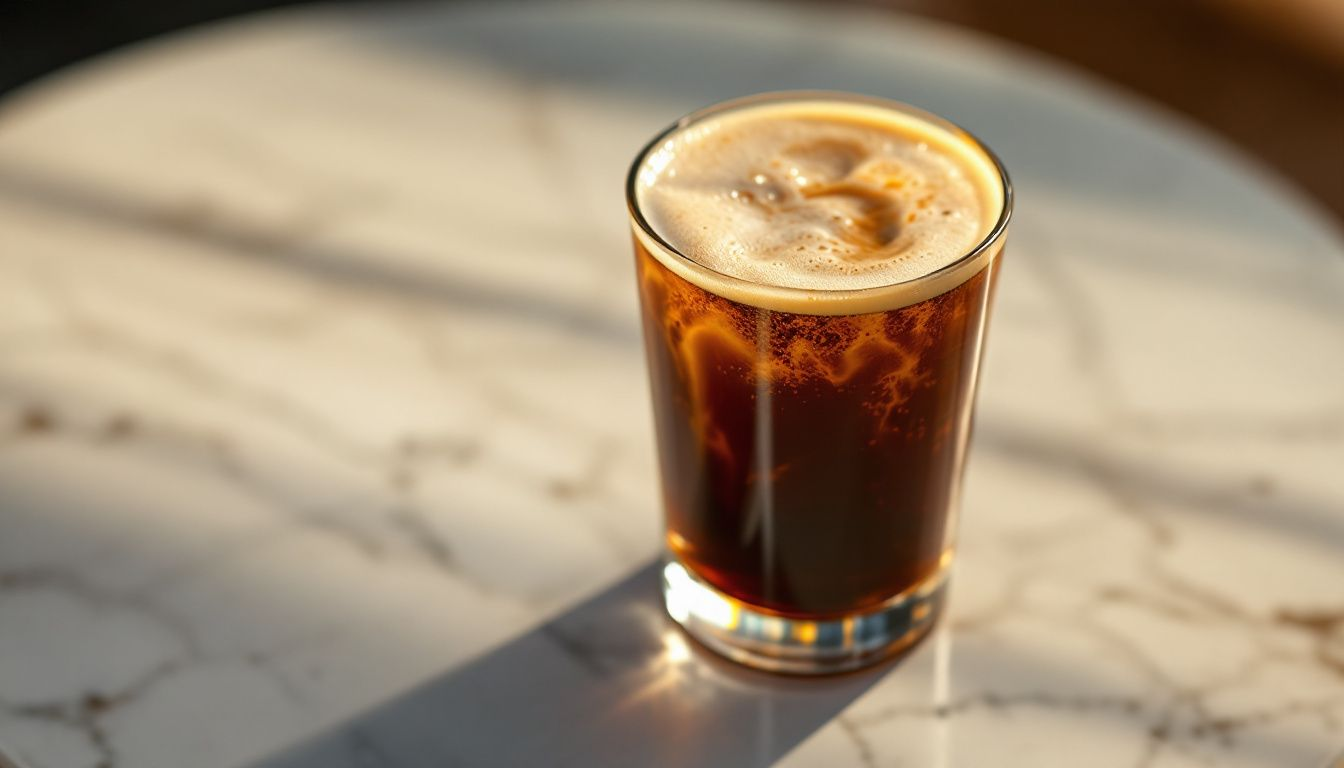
(687, 597)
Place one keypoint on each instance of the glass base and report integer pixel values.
(800, 646)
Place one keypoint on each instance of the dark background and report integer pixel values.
(1267, 76)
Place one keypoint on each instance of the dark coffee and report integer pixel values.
(814, 274)
(809, 461)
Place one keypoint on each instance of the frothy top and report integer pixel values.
(821, 195)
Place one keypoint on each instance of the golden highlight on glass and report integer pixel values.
(815, 272)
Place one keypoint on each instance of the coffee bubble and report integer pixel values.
(819, 195)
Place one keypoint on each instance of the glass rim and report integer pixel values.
(790, 294)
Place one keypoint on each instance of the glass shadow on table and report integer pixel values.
(611, 682)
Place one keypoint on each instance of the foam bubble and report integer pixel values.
(822, 195)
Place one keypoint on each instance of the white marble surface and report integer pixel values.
(319, 379)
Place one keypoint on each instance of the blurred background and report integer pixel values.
(1266, 75)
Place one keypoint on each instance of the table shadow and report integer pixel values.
(611, 682)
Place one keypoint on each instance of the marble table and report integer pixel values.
(324, 438)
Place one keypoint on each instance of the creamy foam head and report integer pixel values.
(818, 194)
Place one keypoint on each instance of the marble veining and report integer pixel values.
(323, 422)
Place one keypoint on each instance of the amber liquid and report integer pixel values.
(810, 463)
